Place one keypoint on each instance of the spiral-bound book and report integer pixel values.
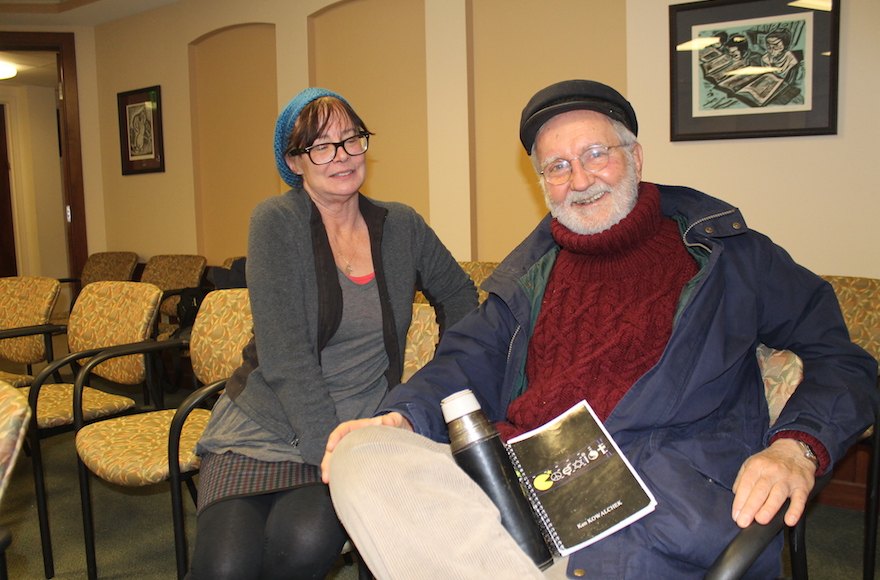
(581, 487)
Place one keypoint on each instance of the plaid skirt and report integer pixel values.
(231, 475)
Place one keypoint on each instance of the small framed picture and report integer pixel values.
(140, 131)
(753, 68)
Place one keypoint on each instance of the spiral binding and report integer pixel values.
(548, 530)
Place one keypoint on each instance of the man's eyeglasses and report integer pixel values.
(324, 153)
(594, 159)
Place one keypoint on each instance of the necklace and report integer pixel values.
(348, 269)
(347, 264)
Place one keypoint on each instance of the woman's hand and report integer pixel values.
(389, 420)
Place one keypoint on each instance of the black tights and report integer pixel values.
(290, 535)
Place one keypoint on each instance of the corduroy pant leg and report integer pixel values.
(412, 513)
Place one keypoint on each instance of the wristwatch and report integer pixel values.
(808, 452)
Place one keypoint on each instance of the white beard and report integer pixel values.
(623, 200)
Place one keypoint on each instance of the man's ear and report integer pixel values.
(637, 156)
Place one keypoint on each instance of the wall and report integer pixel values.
(372, 53)
(233, 85)
(512, 61)
(811, 184)
(810, 194)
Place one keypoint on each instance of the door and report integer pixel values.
(69, 128)
(8, 264)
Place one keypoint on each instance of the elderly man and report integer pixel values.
(648, 301)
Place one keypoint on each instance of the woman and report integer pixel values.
(331, 275)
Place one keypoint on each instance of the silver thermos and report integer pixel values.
(478, 450)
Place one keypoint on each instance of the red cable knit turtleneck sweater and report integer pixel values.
(606, 315)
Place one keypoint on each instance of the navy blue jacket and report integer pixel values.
(690, 422)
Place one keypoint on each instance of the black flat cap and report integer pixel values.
(569, 96)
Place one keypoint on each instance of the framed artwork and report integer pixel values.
(753, 68)
(140, 131)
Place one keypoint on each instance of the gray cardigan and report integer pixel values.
(297, 304)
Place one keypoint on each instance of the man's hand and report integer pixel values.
(390, 420)
(768, 478)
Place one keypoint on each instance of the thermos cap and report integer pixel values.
(458, 405)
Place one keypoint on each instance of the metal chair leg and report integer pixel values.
(42, 503)
(871, 506)
(88, 518)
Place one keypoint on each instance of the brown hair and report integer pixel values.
(314, 118)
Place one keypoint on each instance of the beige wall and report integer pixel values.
(809, 186)
(372, 52)
(810, 194)
(233, 85)
(511, 63)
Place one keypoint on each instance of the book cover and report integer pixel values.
(580, 485)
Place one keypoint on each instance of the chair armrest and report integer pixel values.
(750, 542)
(172, 292)
(183, 411)
(104, 354)
(51, 368)
(32, 330)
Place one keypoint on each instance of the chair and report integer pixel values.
(421, 339)
(108, 266)
(106, 314)
(172, 273)
(147, 448)
(25, 302)
(478, 271)
(14, 416)
(859, 300)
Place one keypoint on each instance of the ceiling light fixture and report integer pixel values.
(7, 71)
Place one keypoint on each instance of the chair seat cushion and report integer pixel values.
(133, 450)
(55, 405)
(16, 380)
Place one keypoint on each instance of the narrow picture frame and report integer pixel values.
(753, 68)
(140, 131)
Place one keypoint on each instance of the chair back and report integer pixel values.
(174, 272)
(223, 327)
(859, 300)
(479, 271)
(14, 415)
(421, 339)
(26, 301)
(114, 313)
(112, 266)
(782, 371)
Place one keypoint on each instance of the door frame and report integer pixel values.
(63, 43)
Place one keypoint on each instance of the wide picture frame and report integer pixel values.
(140, 131)
(753, 68)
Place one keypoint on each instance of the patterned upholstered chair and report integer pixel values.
(172, 273)
(25, 302)
(156, 446)
(108, 266)
(859, 300)
(106, 314)
(478, 271)
(14, 416)
(421, 339)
